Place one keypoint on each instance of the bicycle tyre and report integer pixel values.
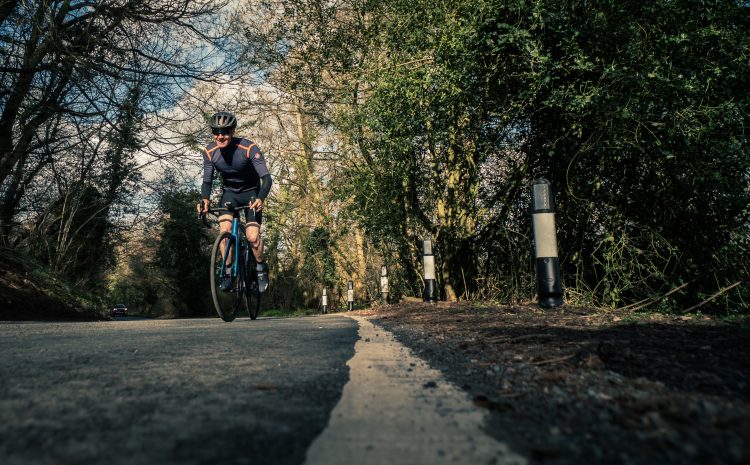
(253, 307)
(227, 303)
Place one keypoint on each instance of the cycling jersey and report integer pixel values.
(242, 166)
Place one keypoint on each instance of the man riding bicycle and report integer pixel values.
(246, 182)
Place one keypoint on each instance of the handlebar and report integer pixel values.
(228, 208)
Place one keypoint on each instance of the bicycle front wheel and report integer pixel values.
(227, 288)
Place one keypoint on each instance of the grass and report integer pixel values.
(286, 313)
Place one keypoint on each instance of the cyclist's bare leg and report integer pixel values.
(225, 225)
(252, 231)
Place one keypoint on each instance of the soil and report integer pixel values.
(576, 385)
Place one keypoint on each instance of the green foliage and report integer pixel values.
(182, 255)
(636, 113)
(639, 119)
(438, 112)
(319, 266)
(136, 281)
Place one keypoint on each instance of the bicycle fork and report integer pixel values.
(235, 270)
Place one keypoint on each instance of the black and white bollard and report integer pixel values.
(548, 282)
(350, 296)
(428, 260)
(324, 301)
(384, 285)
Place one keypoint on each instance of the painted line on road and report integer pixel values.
(395, 409)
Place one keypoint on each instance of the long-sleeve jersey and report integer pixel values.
(242, 167)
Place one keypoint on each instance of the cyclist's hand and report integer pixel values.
(257, 204)
(202, 207)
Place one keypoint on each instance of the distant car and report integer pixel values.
(119, 310)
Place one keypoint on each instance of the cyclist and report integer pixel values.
(246, 182)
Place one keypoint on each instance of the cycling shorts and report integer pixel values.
(243, 199)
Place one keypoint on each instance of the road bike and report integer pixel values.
(232, 260)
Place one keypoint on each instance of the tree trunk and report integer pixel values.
(9, 203)
(14, 191)
(456, 212)
(33, 54)
(359, 284)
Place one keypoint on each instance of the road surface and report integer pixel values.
(316, 390)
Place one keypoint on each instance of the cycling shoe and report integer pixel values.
(262, 271)
(226, 283)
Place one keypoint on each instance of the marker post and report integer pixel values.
(350, 296)
(549, 284)
(428, 261)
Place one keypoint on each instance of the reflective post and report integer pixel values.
(325, 301)
(548, 282)
(384, 284)
(350, 296)
(428, 260)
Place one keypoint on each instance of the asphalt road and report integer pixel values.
(169, 391)
(320, 391)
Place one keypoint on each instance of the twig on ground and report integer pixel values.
(649, 302)
(713, 296)
(553, 360)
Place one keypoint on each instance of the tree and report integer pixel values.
(182, 255)
(81, 88)
(84, 61)
(74, 233)
(639, 118)
(446, 112)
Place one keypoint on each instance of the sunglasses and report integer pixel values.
(222, 132)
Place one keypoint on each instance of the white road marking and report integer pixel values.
(395, 409)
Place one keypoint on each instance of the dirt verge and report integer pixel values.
(573, 385)
(28, 292)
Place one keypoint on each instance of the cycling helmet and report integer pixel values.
(223, 120)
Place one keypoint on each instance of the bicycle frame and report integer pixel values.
(237, 242)
(235, 270)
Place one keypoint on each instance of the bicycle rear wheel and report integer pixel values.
(230, 301)
(253, 308)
